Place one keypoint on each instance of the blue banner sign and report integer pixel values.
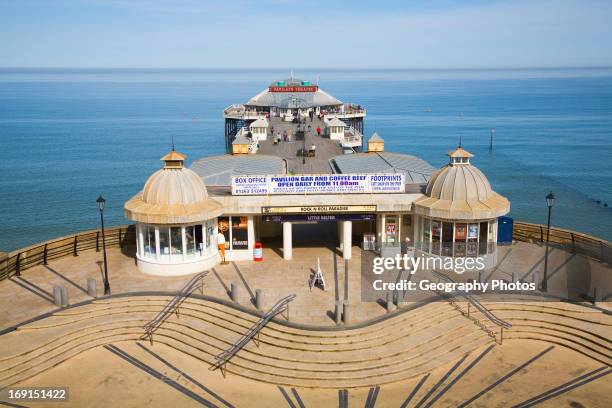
(318, 217)
(319, 184)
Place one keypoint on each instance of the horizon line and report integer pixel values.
(329, 69)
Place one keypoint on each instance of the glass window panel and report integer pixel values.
(149, 242)
(176, 241)
(199, 239)
(164, 243)
(210, 234)
(391, 228)
(224, 228)
(472, 237)
(190, 241)
(447, 239)
(460, 232)
(240, 236)
(436, 235)
(460, 239)
(484, 227)
(426, 234)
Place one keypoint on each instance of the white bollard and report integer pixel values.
(92, 287)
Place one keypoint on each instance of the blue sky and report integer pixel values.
(303, 34)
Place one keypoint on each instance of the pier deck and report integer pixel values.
(288, 150)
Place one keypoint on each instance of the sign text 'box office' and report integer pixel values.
(318, 184)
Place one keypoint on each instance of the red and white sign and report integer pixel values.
(293, 89)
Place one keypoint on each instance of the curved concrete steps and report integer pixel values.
(399, 347)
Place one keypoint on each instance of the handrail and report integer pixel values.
(196, 282)
(225, 356)
(486, 312)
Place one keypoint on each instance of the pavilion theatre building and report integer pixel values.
(377, 200)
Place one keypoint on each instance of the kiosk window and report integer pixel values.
(240, 236)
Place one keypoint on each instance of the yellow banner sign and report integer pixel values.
(315, 209)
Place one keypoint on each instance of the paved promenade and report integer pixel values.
(30, 295)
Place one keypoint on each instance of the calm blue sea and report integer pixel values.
(67, 136)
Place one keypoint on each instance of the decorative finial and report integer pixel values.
(173, 143)
(459, 141)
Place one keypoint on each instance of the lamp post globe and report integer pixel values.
(101, 203)
(550, 201)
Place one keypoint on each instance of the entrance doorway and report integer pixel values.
(315, 234)
(314, 230)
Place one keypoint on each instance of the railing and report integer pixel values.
(348, 110)
(240, 110)
(351, 136)
(225, 356)
(570, 241)
(502, 324)
(196, 282)
(41, 254)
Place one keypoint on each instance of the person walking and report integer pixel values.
(318, 131)
(221, 245)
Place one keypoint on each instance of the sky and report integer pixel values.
(305, 34)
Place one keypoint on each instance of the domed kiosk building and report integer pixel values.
(457, 217)
(175, 221)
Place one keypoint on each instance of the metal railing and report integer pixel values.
(502, 324)
(571, 241)
(225, 356)
(196, 282)
(72, 245)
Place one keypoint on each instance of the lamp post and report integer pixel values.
(101, 201)
(550, 200)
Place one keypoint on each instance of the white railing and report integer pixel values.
(352, 137)
(241, 112)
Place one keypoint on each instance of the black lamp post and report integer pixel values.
(550, 200)
(101, 201)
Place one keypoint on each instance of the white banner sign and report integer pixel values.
(318, 184)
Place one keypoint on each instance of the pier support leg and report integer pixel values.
(287, 241)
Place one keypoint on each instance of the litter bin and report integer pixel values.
(258, 252)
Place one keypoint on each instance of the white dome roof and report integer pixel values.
(174, 186)
(172, 195)
(460, 191)
(459, 182)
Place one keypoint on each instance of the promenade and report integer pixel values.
(31, 294)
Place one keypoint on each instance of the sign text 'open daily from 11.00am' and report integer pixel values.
(318, 184)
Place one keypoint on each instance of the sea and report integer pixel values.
(70, 135)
